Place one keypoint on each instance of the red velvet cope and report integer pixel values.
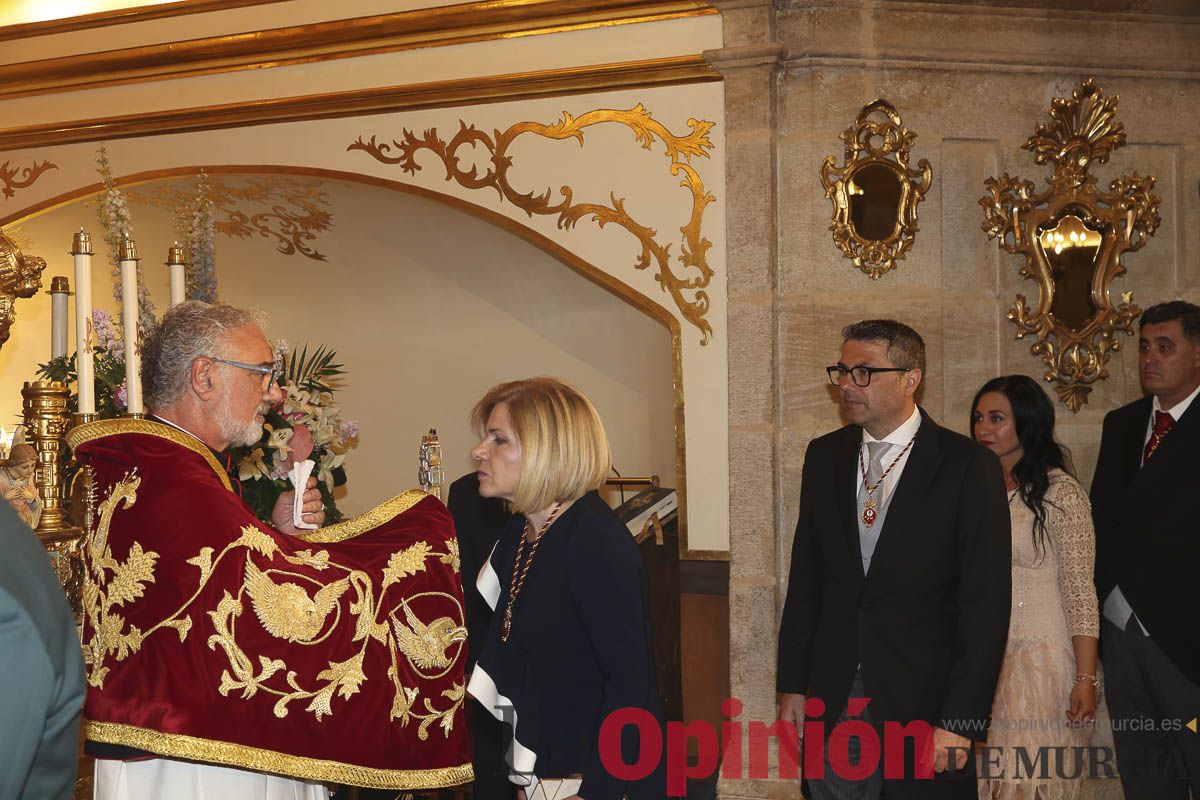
(213, 637)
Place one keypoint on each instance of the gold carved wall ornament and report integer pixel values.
(687, 286)
(1072, 236)
(15, 178)
(291, 211)
(20, 277)
(874, 192)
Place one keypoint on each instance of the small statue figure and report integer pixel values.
(16, 484)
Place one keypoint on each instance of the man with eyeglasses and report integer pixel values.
(898, 597)
(228, 659)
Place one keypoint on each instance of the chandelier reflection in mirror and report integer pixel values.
(1072, 236)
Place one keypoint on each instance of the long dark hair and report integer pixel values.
(1033, 417)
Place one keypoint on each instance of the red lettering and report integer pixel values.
(678, 769)
(788, 741)
(731, 735)
(894, 734)
(649, 751)
(868, 749)
(814, 738)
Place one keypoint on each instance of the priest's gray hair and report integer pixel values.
(187, 331)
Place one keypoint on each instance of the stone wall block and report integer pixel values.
(751, 503)
(751, 376)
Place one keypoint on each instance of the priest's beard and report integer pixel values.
(239, 433)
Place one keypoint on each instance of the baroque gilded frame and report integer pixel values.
(878, 136)
(1082, 131)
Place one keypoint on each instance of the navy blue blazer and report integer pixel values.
(579, 648)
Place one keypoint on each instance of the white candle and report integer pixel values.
(129, 320)
(175, 266)
(59, 290)
(85, 337)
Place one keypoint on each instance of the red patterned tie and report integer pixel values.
(1162, 423)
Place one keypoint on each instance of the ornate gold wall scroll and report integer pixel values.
(1072, 236)
(20, 276)
(687, 288)
(290, 210)
(874, 192)
(8, 176)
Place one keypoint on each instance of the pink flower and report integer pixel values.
(119, 399)
(301, 444)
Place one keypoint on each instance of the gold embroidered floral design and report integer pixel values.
(290, 606)
(109, 584)
(286, 610)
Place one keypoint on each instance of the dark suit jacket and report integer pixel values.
(478, 523)
(1148, 528)
(42, 667)
(930, 621)
(580, 648)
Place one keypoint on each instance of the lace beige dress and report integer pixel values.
(1053, 599)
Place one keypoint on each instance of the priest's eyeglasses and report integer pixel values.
(272, 371)
(860, 375)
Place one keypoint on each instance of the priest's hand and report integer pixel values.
(313, 512)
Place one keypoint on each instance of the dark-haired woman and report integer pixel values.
(1047, 693)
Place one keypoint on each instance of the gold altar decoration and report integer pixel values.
(430, 475)
(1072, 236)
(290, 210)
(687, 288)
(46, 418)
(874, 192)
(20, 276)
(15, 178)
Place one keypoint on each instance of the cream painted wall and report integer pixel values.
(611, 163)
(427, 307)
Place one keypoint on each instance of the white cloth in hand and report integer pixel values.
(298, 475)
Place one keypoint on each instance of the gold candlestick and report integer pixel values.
(46, 419)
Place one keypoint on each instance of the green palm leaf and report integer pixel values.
(317, 372)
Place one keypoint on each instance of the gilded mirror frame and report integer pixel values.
(1082, 131)
(877, 137)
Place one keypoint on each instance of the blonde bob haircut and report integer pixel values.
(564, 448)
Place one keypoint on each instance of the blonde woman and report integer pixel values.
(569, 642)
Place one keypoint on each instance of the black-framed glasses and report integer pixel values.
(273, 371)
(860, 375)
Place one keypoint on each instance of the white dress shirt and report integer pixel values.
(898, 439)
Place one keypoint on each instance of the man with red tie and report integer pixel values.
(1146, 507)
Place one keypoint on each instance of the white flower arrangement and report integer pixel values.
(116, 221)
(198, 226)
